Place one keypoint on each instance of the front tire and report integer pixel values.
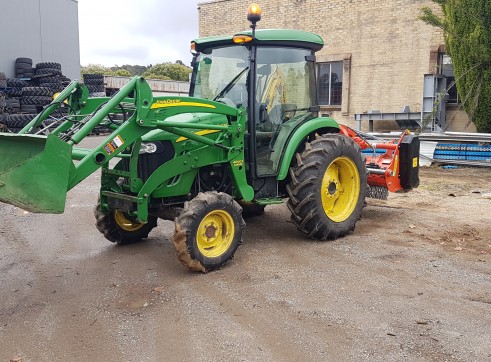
(327, 188)
(118, 228)
(208, 231)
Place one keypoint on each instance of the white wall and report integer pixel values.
(44, 30)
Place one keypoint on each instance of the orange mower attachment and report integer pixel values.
(395, 169)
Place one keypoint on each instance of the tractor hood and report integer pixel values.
(205, 118)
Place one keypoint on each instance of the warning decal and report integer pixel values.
(114, 145)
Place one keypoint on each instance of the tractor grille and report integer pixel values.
(149, 162)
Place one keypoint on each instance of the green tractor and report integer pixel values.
(248, 136)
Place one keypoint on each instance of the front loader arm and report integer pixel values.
(51, 158)
(148, 115)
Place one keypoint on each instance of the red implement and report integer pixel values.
(397, 168)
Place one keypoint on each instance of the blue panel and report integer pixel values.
(462, 151)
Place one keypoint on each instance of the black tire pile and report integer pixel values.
(13, 105)
(23, 97)
(97, 88)
(15, 122)
(23, 68)
(50, 76)
(3, 80)
(95, 84)
(3, 86)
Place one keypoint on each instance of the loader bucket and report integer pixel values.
(34, 172)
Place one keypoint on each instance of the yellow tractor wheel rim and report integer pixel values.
(215, 233)
(124, 223)
(340, 189)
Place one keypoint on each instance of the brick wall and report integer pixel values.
(389, 47)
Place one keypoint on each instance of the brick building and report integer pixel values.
(378, 57)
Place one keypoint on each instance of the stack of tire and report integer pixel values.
(65, 81)
(3, 102)
(15, 122)
(8, 104)
(22, 99)
(96, 87)
(34, 99)
(13, 105)
(3, 94)
(95, 84)
(23, 68)
(20, 110)
(3, 125)
(3, 81)
(10, 121)
(3, 86)
(49, 75)
(15, 86)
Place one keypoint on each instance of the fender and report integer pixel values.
(298, 136)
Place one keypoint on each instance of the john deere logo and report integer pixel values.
(168, 101)
(164, 103)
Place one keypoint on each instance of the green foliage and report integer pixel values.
(430, 18)
(164, 71)
(167, 71)
(121, 71)
(101, 69)
(134, 69)
(95, 69)
(467, 26)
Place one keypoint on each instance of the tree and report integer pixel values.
(101, 69)
(168, 71)
(467, 27)
(121, 73)
(165, 71)
(94, 69)
(132, 69)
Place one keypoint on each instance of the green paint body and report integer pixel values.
(36, 172)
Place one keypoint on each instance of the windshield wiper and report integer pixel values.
(229, 86)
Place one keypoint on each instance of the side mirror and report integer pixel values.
(263, 113)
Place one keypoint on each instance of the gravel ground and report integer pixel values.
(413, 282)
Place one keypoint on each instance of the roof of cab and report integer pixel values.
(278, 37)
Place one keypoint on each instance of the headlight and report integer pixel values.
(148, 148)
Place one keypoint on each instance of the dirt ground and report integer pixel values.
(413, 282)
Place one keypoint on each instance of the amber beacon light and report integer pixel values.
(254, 13)
(240, 39)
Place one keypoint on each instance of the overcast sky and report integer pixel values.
(136, 32)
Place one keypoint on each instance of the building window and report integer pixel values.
(447, 70)
(330, 83)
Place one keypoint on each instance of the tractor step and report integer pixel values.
(123, 202)
(269, 201)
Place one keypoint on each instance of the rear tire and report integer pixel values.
(208, 231)
(118, 228)
(328, 187)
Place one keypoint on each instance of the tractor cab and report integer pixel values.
(271, 74)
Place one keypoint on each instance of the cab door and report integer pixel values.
(285, 82)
